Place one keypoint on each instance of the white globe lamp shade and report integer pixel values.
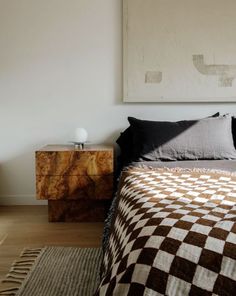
(81, 135)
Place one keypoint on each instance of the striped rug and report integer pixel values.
(54, 271)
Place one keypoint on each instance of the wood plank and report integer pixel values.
(27, 227)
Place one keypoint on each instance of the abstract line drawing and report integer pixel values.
(153, 77)
(226, 73)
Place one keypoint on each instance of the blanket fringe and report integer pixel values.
(142, 167)
(19, 271)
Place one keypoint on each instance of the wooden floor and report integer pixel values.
(27, 226)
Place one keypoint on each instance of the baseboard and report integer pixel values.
(16, 200)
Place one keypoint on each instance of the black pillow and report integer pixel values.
(208, 138)
(234, 130)
(125, 142)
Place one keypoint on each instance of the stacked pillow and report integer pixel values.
(125, 142)
(208, 138)
(234, 130)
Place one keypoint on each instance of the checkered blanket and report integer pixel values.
(173, 233)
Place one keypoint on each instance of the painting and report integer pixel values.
(179, 51)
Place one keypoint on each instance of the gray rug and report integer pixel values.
(61, 271)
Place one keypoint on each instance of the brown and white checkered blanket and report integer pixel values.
(173, 233)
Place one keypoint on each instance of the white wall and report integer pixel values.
(60, 68)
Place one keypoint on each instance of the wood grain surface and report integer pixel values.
(74, 163)
(78, 183)
(27, 227)
(74, 187)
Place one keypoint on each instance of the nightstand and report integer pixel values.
(78, 183)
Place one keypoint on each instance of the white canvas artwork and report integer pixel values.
(179, 50)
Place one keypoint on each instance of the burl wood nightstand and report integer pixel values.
(78, 184)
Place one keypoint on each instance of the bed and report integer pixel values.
(172, 230)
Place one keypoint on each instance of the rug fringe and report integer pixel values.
(23, 269)
(14, 277)
(9, 292)
(19, 271)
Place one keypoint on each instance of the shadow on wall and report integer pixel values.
(112, 137)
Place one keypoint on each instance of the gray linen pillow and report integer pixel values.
(208, 138)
